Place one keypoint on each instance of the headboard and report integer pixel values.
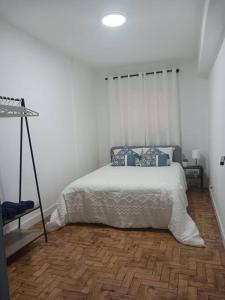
(177, 154)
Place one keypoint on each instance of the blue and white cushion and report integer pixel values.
(125, 157)
(163, 159)
(169, 151)
(149, 157)
(132, 158)
(118, 158)
(153, 157)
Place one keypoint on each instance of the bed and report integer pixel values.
(130, 197)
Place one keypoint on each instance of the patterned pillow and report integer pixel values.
(149, 157)
(132, 158)
(169, 151)
(125, 157)
(163, 159)
(153, 157)
(118, 159)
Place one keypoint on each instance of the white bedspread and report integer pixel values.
(130, 197)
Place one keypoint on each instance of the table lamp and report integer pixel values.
(196, 155)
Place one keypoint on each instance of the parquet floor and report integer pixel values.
(99, 262)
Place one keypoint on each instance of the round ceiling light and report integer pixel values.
(114, 20)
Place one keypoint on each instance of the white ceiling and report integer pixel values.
(155, 29)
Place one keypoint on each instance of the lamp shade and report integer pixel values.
(196, 154)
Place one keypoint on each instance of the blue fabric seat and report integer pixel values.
(28, 203)
(11, 209)
(19, 207)
(8, 213)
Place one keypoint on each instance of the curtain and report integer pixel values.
(144, 109)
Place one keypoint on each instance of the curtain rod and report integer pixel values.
(10, 99)
(148, 73)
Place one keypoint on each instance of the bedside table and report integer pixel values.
(195, 172)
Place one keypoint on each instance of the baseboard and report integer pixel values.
(217, 217)
(33, 219)
(37, 216)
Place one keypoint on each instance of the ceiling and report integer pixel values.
(155, 29)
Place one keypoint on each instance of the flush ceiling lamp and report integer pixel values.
(113, 20)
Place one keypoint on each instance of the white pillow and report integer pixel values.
(167, 150)
(145, 149)
(137, 150)
(116, 151)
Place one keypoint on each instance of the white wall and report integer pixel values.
(85, 119)
(217, 136)
(193, 105)
(61, 90)
(194, 99)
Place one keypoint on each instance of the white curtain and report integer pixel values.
(144, 110)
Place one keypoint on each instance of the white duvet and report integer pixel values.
(130, 197)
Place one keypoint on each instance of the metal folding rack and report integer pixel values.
(17, 239)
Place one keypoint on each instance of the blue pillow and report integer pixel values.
(163, 159)
(149, 157)
(153, 157)
(133, 158)
(125, 157)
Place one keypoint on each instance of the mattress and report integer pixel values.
(130, 197)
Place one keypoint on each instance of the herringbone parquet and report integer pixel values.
(99, 262)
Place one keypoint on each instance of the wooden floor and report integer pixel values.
(98, 262)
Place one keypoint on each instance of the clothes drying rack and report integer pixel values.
(19, 238)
